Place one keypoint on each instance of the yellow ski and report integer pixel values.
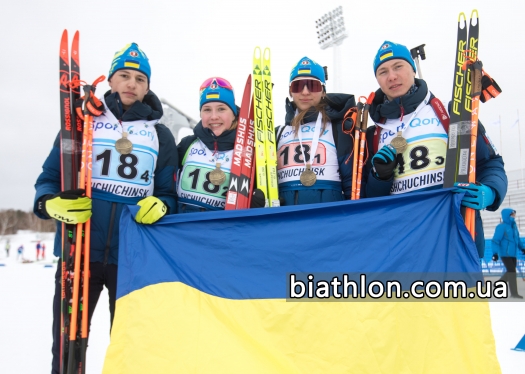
(268, 121)
(260, 135)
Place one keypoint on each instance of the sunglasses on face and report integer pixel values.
(218, 81)
(313, 85)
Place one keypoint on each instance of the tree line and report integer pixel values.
(12, 220)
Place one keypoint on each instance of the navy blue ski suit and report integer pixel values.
(489, 165)
(106, 211)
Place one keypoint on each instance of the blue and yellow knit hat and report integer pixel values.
(130, 57)
(307, 68)
(217, 89)
(390, 51)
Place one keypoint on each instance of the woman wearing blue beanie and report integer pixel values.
(312, 148)
(205, 157)
(407, 146)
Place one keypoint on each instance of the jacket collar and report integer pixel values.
(336, 107)
(225, 141)
(149, 109)
(400, 106)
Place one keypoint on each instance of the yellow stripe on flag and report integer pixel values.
(194, 332)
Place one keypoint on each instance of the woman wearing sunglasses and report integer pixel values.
(206, 156)
(312, 147)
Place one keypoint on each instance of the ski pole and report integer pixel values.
(354, 116)
(362, 145)
(84, 183)
(416, 52)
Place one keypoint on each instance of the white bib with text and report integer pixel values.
(422, 164)
(128, 175)
(291, 156)
(194, 181)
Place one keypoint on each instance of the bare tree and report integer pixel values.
(13, 220)
(8, 221)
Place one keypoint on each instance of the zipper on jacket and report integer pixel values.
(110, 233)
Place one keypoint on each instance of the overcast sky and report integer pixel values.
(189, 41)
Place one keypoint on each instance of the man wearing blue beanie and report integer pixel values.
(135, 162)
(408, 143)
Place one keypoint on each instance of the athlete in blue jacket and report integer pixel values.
(143, 176)
(505, 244)
(401, 109)
(313, 126)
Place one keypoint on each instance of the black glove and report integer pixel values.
(495, 257)
(258, 200)
(384, 162)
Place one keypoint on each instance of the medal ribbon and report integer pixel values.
(315, 140)
(419, 107)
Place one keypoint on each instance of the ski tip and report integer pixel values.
(64, 51)
(266, 54)
(462, 17)
(472, 17)
(257, 52)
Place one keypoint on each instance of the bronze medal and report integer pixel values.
(217, 176)
(124, 146)
(308, 177)
(399, 143)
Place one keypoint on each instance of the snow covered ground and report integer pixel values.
(26, 293)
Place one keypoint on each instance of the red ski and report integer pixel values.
(240, 187)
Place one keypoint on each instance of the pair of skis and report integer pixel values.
(265, 141)
(255, 135)
(76, 160)
(460, 163)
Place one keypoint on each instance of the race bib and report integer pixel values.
(292, 156)
(194, 181)
(127, 175)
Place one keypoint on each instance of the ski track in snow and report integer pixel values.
(26, 294)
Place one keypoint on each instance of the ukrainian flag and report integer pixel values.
(304, 71)
(206, 293)
(212, 95)
(132, 64)
(386, 54)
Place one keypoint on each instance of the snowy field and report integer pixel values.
(26, 293)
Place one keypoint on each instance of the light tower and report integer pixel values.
(330, 33)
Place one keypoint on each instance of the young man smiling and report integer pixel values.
(134, 163)
(408, 143)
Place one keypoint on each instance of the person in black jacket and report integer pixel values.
(312, 150)
(407, 146)
(141, 174)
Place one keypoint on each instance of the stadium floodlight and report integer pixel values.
(331, 28)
